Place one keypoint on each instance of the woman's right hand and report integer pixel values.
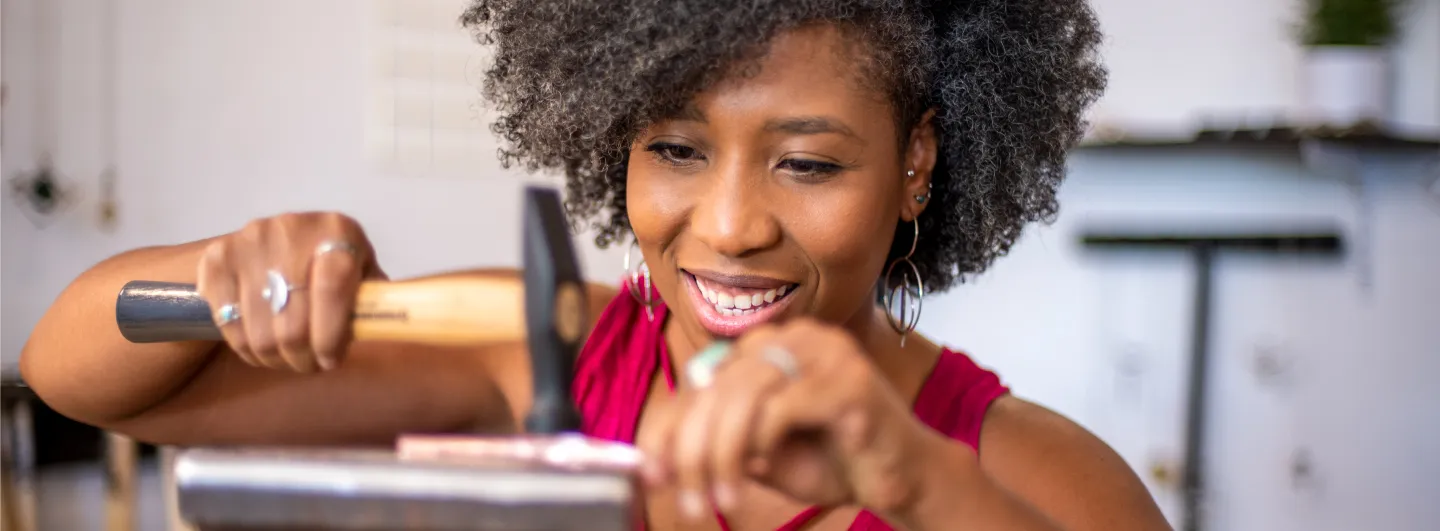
(322, 257)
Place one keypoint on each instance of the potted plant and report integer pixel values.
(1346, 80)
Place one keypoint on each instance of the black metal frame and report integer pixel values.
(1203, 249)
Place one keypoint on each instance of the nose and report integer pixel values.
(733, 216)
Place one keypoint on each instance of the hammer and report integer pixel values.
(551, 478)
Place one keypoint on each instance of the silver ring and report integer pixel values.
(783, 360)
(329, 246)
(228, 313)
(277, 290)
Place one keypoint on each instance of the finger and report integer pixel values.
(806, 404)
(656, 440)
(258, 320)
(292, 328)
(335, 275)
(286, 276)
(745, 385)
(691, 453)
(217, 285)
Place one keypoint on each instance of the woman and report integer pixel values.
(774, 161)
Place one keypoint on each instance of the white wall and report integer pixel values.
(233, 110)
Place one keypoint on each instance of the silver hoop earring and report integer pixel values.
(910, 297)
(640, 273)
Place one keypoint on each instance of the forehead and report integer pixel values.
(816, 69)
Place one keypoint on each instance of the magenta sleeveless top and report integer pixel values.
(626, 348)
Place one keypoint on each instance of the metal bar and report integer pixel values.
(1194, 471)
(19, 497)
(121, 454)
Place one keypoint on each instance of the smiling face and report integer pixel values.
(776, 194)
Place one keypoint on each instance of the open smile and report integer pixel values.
(727, 305)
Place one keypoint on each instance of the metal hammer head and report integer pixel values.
(555, 311)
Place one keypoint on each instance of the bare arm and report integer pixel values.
(76, 360)
(1063, 470)
(1038, 470)
(202, 393)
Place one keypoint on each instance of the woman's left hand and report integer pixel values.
(798, 407)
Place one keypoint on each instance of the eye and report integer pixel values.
(811, 170)
(676, 154)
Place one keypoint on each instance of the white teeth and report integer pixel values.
(736, 305)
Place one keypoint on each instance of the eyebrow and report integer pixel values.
(795, 125)
(809, 125)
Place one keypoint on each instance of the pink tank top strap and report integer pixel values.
(615, 367)
(953, 401)
(956, 397)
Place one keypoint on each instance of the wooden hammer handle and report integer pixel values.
(452, 310)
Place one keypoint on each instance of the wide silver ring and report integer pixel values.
(330, 246)
(228, 313)
(782, 359)
(277, 290)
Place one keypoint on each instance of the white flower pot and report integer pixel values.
(1345, 86)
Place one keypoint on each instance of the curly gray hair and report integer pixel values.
(574, 81)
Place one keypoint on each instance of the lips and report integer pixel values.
(727, 305)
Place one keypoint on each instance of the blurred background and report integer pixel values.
(129, 123)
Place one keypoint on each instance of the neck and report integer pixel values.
(901, 365)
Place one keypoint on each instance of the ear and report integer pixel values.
(919, 158)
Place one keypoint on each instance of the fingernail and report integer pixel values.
(692, 505)
(326, 363)
(725, 496)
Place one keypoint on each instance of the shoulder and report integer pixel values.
(1062, 468)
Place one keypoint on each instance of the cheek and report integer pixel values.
(845, 235)
(655, 208)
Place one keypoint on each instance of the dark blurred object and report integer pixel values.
(1203, 246)
(1366, 135)
(1350, 22)
(17, 456)
(40, 194)
(40, 191)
